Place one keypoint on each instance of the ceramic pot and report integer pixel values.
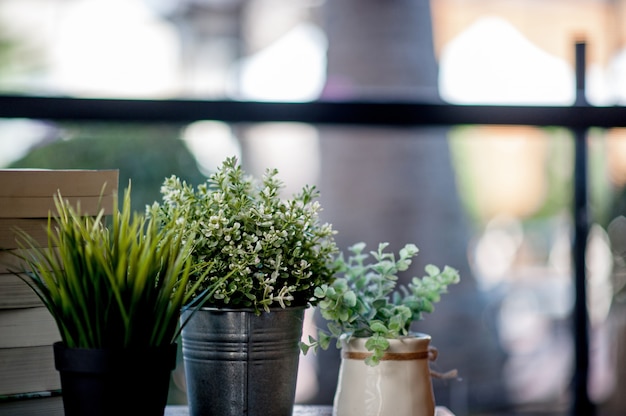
(400, 385)
(123, 382)
(239, 363)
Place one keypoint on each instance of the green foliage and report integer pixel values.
(20, 57)
(113, 286)
(144, 153)
(256, 249)
(366, 301)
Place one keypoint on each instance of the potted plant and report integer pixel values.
(115, 291)
(262, 257)
(384, 367)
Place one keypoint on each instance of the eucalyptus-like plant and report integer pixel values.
(115, 286)
(365, 299)
(252, 248)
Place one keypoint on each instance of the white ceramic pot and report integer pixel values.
(400, 385)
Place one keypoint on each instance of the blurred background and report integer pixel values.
(494, 202)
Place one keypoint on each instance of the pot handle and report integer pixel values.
(432, 356)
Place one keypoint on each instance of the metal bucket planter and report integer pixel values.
(238, 363)
(121, 382)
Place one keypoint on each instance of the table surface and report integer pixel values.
(298, 410)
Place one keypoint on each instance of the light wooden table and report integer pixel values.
(299, 410)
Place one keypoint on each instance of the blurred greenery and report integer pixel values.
(144, 154)
(20, 57)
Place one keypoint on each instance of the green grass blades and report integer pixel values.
(109, 282)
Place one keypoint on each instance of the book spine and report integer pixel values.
(46, 183)
(33, 404)
(27, 327)
(28, 369)
(42, 207)
(30, 395)
(15, 293)
(11, 227)
(11, 260)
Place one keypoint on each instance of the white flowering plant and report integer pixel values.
(251, 248)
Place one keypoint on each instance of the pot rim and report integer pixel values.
(407, 343)
(111, 360)
(411, 335)
(61, 345)
(231, 309)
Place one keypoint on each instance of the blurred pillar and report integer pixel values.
(397, 185)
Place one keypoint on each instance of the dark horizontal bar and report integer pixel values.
(320, 112)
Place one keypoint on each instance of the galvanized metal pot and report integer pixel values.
(238, 363)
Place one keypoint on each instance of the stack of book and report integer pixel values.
(29, 382)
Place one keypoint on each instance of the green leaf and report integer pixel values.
(380, 303)
(349, 298)
(432, 270)
(378, 326)
(377, 342)
(304, 347)
(324, 340)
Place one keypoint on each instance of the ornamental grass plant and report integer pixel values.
(251, 248)
(116, 285)
(366, 301)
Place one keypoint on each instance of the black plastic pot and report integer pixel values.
(101, 382)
